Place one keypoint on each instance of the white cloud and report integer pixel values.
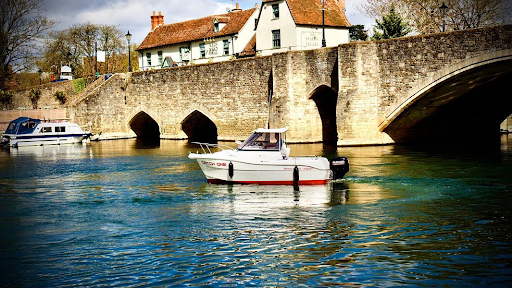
(133, 15)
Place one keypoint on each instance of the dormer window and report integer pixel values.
(275, 10)
(216, 26)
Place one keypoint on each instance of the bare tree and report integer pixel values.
(110, 42)
(84, 38)
(21, 25)
(58, 51)
(76, 47)
(425, 16)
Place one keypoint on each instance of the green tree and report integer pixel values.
(21, 24)
(358, 33)
(391, 26)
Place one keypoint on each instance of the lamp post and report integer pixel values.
(323, 24)
(40, 73)
(129, 37)
(443, 9)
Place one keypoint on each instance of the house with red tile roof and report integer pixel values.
(212, 38)
(285, 25)
(278, 26)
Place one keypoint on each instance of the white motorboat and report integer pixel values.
(26, 131)
(264, 159)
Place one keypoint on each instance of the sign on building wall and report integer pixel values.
(212, 49)
(311, 40)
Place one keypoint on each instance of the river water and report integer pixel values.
(124, 213)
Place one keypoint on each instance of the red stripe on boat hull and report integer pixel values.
(301, 182)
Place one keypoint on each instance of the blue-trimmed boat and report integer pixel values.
(25, 131)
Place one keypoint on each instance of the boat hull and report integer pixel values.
(309, 170)
(40, 140)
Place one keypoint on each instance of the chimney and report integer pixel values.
(237, 8)
(160, 19)
(156, 20)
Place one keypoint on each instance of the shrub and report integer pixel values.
(34, 94)
(61, 96)
(6, 98)
(78, 85)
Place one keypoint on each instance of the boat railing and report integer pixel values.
(206, 146)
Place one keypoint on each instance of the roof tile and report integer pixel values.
(196, 29)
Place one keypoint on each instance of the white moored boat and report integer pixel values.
(264, 159)
(26, 131)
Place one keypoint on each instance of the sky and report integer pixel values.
(134, 15)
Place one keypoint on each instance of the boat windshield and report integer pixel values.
(262, 141)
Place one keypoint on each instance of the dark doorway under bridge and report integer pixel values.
(199, 128)
(145, 127)
(325, 99)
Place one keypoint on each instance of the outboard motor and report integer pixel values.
(339, 167)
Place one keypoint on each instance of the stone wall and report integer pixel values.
(21, 101)
(375, 76)
(232, 94)
(297, 75)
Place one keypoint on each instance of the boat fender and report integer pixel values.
(231, 171)
(296, 176)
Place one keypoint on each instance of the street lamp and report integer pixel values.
(129, 37)
(40, 73)
(323, 24)
(443, 9)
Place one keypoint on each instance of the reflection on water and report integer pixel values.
(131, 213)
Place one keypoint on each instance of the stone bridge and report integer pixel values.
(434, 87)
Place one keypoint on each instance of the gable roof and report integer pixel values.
(309, 12)
(197, 29)
(250, 48)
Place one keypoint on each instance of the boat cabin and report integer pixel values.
(25, 125)
(266, 140)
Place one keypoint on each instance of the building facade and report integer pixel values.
(209, 39)
(280, 25)
(298, 25)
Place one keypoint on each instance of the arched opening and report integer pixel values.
(144, 126)
(199, 128)
(325, 99)
(470, 105)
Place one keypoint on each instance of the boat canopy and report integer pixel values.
(22, 125)
(264, 139)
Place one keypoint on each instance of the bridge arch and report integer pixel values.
(325, 99)
(199, 128)
(145, 126)
(467, 98)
